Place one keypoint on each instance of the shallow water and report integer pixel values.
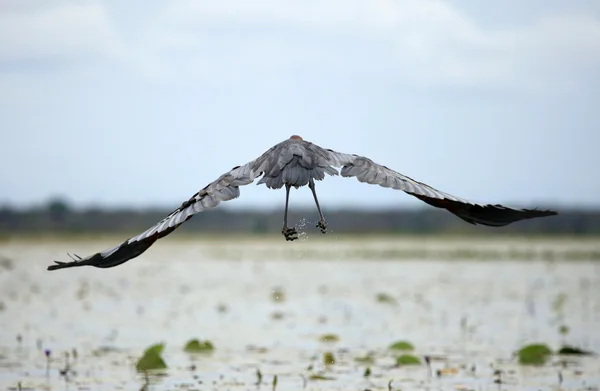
(468, 315)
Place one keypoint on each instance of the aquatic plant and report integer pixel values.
(574, 351)
(197, 346)
(319, 376)
(151, 359)
(498, 376)
(277, 315)
(407, 359)
(328, 358)
(401, 345)
(259, 377)
(222, 308)
(47, 353)
(385, 298)
(428, 363)
(65, 371)
(563, 329)
(534, 354)
(329, 338)
(277, 295)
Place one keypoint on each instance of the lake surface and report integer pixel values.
(469, 304)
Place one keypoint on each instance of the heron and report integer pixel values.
(296, 162)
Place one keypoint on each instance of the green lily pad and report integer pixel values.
(317, 376)
(407, 359)
(328, 358)
(385, 298)
(402, 345)
(574, 351)
(151, 359)
(535, 354)
(329, 338)
(196, 346)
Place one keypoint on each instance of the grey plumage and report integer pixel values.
(296, 162)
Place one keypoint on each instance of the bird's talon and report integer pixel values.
(322, 225)
(289, 233)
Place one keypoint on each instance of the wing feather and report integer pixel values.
(366, 170)
(223, 189)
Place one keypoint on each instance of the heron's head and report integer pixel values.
(295, 137)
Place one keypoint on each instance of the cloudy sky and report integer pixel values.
(145, 102)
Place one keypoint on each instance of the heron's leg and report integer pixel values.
(289, 233)
(322, 224)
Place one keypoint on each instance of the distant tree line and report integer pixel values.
(57, 216)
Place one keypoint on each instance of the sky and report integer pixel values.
(143, 103)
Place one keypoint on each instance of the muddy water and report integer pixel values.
(265, 305)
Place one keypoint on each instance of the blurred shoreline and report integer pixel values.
(58, 217)
(315, 246)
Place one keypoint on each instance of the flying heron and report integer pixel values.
(297, 162)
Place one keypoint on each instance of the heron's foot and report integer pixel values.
(289, 233)
(322, 225)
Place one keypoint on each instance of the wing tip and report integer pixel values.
(59, 265)
(541, 213)
(77, 261)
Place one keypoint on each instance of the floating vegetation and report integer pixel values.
(222, 308)
(534, 354)
(47, 353)
(573, 351)
(367, 359)
(385, 298)
(196, 346)
(277, 295)
(422, 252)
(329, 338)
(151, 359)
(362, 360)
(259, 377)
(498, 376)
(401, 345)
(104, 350)
(563, 330)
(277, 315)
(319, 376)
(328, 358)
(407, 359)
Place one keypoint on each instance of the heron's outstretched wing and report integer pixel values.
(366, 170)
(223, 189)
